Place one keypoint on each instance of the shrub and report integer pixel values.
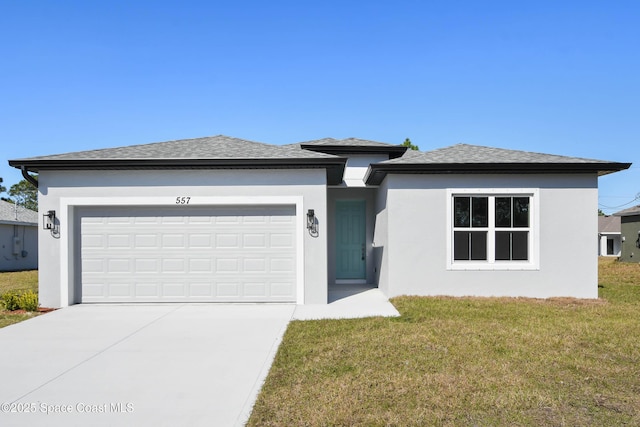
(28, 301)
(11, 301)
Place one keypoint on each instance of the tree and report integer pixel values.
(25, 194)
(601, 213)
(407, 143)
(2, 187)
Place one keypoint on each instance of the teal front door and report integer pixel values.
(350, 239)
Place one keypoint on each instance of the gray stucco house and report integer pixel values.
(225, 219)
(18, 238)
(630, 230)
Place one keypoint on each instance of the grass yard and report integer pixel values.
(19, 281)
(466, 361)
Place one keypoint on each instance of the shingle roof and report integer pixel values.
(226, 152)
(465, 153)
(215, 152)
(212, 147)
(465, 158)
(10, 213)
(635, 210)
(609, 224)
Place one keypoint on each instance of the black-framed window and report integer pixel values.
(471, 221)
(492, 228)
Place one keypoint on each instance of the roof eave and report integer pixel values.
(636, 213)
(377, 172)
(334, 166)
(18, 222)
(394, 151)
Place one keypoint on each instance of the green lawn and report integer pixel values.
(18, 281)
(466, 361)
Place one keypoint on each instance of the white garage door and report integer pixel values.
(226, 254)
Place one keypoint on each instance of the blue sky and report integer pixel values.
(553, 77)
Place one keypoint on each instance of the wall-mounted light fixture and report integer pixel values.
(312, 223)
(49, 220)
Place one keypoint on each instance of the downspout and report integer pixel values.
(31, 180)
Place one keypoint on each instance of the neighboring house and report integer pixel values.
(609, 236)
(18, 238)
(225, 219)
(630, 228)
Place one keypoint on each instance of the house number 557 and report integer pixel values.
(182, 200)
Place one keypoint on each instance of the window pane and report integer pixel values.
(462, 212)
(503, 211)
(520, 211)
(503, 245)
(478, 245)
(480, 212)
(461, 245)
(520, 245)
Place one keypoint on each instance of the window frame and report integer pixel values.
(491, 263)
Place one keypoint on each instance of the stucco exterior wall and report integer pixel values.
(357, 166)
(381, 239)
(415, 242)
(630, 226)
(22, 254)
(63, 191)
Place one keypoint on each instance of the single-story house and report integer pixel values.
(630, 230)
(609, 236)
(225, 219)
(18, 238)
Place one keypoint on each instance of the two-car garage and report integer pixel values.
(186, 254)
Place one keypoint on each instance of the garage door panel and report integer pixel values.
(143, 241)
(281, 240)
(146, 265)
(93, 241)
(281, 288)
(254, 265)
(254, 241)
(227, 240)
(255, 289)
(202, 254)
(200, 265)
(173, 241)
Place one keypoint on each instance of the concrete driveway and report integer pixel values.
(160, 365)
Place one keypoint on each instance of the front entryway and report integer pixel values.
(350, 240)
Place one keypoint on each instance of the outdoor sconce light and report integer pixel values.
(49, 220)
(312, 223)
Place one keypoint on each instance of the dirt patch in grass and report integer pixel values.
(465, 361)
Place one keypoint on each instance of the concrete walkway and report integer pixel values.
(150, 364)
(348, 302)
